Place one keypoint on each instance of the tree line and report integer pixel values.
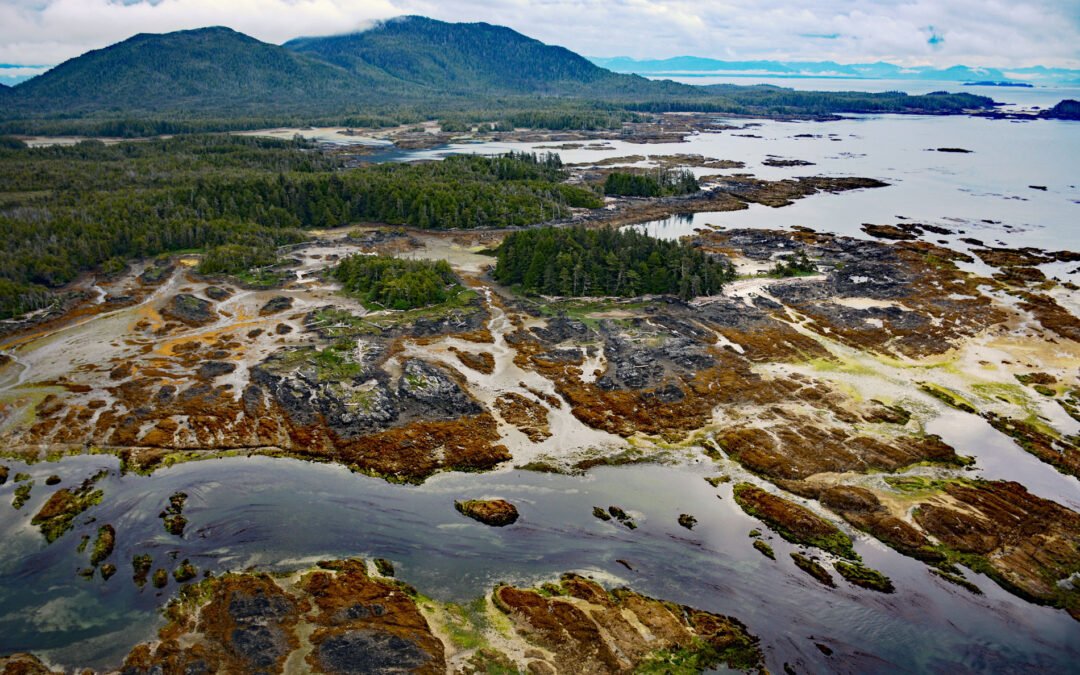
(576, 261)
(94, 206)
(659, 183)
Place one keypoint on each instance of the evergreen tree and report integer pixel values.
(576, 261)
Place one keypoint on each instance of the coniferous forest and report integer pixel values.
(396, 283)
(576, 261)
(659, 183)
(65, 210)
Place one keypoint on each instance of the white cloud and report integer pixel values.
(50, 31)
(1001, 33)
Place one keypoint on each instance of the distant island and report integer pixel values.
(992, 83)
(696, 66)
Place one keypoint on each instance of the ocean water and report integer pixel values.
(985, 194)
(279, 514)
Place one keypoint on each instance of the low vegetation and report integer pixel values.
(794, 265)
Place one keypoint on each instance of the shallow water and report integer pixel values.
(984, 194)
(279, 513)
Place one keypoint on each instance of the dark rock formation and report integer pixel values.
(189, 309)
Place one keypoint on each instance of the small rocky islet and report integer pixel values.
(340, 617)
(758, 381)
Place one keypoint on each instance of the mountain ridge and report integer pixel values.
(397, 72)
(214, 66)
(466, 57)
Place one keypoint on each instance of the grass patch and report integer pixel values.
(332, 322)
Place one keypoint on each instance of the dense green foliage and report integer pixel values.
(65, 210)
(576, 261)
(456, 57)
(660, 183)
(402, 71)
(236, 258)
(794, 265)
(396, 283)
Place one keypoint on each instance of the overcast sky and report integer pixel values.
(1001, 33)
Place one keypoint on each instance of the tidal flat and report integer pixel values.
(903, 419)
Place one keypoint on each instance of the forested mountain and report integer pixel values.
(209, 69)
(400, 71)
(460, 57)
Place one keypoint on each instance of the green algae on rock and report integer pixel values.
(141, 565)
(384, 567)
(185, 571)
(814, 569)
(22, 494)
(103, 545)
(172, 517)
(863, 576)
(764, 549)
(63, 506)
(793, 522)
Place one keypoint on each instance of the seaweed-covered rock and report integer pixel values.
(173, 515)
(792, 521)
(185, 572)
(278, 303)
(141, 565)
(384, 567)
(864, 577)
(189, 309)
(211, 369)
(494, 512)
(217, 293)
(582, 628)
(57, 513)
(814, 569)
(103, 545)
